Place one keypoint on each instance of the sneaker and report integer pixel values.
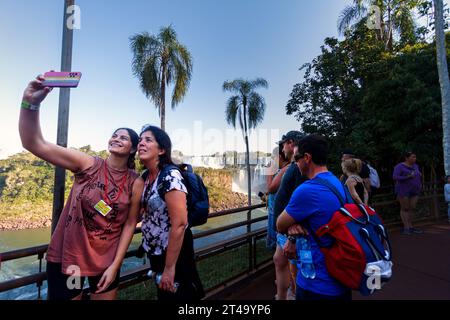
(416, 230)
(407, 232)
(290, 294)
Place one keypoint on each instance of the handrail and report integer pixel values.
(236, 210)
(230, 242)
(31, 251)
(22, 253)
(40, 250)
(23, 281)
(137, 275)
(228, 227)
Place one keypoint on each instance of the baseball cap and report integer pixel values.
(347, 151)
(291, 135)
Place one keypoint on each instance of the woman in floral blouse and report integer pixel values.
(166, 236)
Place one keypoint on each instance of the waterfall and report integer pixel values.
(258, 179)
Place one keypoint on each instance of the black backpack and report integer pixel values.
(197, 197)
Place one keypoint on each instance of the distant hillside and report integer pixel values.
(26, 190)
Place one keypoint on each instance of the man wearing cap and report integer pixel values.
(290, 180)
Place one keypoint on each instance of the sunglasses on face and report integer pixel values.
(298, 156)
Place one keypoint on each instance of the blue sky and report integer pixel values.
(227, 39)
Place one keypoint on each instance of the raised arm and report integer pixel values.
(275, 183)
(31, 135)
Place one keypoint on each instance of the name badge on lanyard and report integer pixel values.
(103, 208)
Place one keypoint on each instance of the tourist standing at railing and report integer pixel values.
(312, 205)
(447, 194)
(279, 166)
(99, 219)
(364, 172)
(166, 236)
(286, 269)
(408, 185)
(354, 182)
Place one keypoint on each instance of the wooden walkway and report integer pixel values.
(421, 270)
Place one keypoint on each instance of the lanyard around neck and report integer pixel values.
(105, 193)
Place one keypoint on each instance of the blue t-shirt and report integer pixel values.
(312, 205)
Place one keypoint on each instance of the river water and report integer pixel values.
(11, 240)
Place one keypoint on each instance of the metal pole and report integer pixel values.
(63, 116)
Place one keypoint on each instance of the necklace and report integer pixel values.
(105, 192)
(147, 187)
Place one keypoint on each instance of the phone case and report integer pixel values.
(62, 79)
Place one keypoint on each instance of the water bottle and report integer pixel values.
(304, 254)
(157, 278)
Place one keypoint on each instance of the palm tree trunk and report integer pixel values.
(389, 40)
(441, 52)
(162, 107)
(247, 158)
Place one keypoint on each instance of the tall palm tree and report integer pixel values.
(441, 52)
(249, 107)
(158, 62)
(395, 16)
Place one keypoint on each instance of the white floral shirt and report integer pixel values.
(156, 220)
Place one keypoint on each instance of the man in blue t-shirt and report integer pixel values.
(310, 207)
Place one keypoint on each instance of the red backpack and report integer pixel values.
(360, 256)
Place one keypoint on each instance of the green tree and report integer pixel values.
(159, 61)
(378, 103)
(248, 106)
(388, 17)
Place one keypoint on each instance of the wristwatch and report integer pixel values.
(292, 239)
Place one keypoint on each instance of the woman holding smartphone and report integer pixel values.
(98, 221)
(166, 236)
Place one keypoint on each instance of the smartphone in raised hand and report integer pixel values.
(61, 79)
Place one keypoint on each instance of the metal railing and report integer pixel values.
(430, 197)
(139, 274)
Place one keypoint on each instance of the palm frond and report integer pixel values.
(150, 80)
(233, 86)
(403, 21)
(181, 66)
(167, 35)
(349, 15)
(259, 83)
(241, 121)
(256, 110)
(232, 109)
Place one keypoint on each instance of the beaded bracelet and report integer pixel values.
(29, 106)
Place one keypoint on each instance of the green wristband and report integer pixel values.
(29, 106)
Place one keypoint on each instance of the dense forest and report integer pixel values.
(26, 190)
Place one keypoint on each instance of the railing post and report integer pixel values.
(250, 242)
(39, 284)
(435, 202)
(254, 252)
